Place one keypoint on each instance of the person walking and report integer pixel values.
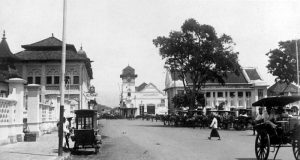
(214, 128)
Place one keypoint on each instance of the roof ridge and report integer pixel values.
(41, 41)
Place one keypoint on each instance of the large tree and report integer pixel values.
(198, 55)
(282, 62)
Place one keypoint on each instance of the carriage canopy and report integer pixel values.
(276, 101)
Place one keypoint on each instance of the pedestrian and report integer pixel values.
(66, 134)
(214, 128)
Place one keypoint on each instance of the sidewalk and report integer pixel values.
(45, 148)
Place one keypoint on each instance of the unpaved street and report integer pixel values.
(146, 140)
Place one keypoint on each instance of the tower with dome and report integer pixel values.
(139, 100)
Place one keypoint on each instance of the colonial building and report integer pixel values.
(142, 99)
(40, 63)
(239, 91)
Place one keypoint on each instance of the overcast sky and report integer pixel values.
(115, 33)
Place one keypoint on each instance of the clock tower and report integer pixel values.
(128, 85)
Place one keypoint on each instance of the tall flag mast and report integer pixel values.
(297, 67)
(62, 82)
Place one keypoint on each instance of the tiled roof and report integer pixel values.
(231, 78)
(140, 87)
(280, 88)
(48, 55)
(50, 49)
(48, 43)
(253, 74)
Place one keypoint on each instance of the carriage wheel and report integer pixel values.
(296, 147)
(262, 146)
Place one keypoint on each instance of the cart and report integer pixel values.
(243, 119)
(86, 133)
(286, 134)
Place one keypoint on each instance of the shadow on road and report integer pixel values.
(33, 154)
(251, 159)
(82, 152)
(155, 125)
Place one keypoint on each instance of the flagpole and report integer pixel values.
(62, 82)
(297, 67)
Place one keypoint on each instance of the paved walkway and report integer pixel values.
(45, 148)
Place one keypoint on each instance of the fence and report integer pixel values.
(10, 130)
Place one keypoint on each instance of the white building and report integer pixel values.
(40, 63)
(238, 92)
(143, 99)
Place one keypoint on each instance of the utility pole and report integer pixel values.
(62, 82)
(297, 68)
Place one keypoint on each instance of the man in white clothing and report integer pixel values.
(214, 126)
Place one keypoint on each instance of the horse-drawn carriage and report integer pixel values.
(86, 132)
(243, 119)
(284, 133)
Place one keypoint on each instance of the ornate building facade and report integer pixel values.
(40, 63)
(142, 99)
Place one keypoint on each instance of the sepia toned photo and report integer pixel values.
(149, 80)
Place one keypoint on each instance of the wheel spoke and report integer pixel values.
(259, 152)
(262, 156)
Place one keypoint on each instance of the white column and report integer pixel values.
(33, 114)
(244, 99)
(17, 84)
(236, 99)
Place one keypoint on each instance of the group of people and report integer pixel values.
(225, 120)
(269, 116)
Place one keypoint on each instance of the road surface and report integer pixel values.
(147, 140)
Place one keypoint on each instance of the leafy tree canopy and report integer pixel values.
(198, 55)
(282, 62)
(180, 100)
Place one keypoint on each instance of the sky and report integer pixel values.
(118, 33)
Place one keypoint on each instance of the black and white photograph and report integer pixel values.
(149, 79)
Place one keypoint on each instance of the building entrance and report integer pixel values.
(141, 109)
(150, 109)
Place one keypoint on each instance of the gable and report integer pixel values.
(150, 88)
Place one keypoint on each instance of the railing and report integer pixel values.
(7, 111)
(68, 87)
(8, 124)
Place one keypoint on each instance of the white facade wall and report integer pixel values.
(149, 96)
(50, 93)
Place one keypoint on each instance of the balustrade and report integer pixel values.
(68, 87)
(7, 111)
